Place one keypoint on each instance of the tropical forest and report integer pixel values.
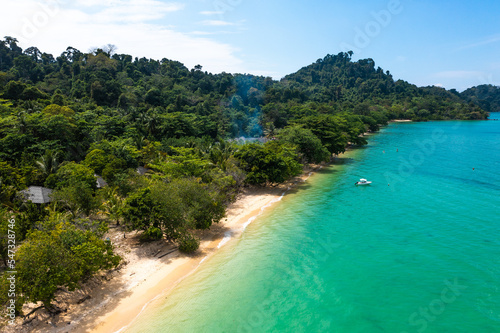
(151, 146)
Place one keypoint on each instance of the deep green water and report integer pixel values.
(417, 251)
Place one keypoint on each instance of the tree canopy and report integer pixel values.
(173, 145)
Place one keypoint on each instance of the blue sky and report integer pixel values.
(454, 44)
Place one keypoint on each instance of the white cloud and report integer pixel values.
(131, 4)
(485, 41)
(217, 23)
(201, 33)
(209, 13)
(92, 3)
(104, 24)
(126, 11)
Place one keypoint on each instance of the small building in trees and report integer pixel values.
(100, 182)
(142, 170)
(37, 194)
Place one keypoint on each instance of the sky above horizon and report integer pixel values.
(454, 44)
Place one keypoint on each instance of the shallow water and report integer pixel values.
(417, 251)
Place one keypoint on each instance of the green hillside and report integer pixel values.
(486, 96)
(160, 135)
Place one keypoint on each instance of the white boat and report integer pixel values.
(362, 181)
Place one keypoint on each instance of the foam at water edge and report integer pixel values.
(253, 218)
(250, 220)
(227, 237)
(142, 310)
(309, 175)
(202, 260)
(229, 234)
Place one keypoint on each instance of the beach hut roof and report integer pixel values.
(37, 194)
(142, 170)
(100, 182)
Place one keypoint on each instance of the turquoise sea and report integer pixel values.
(417, 251)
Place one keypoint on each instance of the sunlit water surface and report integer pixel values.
(416, 251)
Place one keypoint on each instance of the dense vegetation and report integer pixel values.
(486, 96)
(66, 119)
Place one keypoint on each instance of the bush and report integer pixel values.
(272, 162)
(188, 243)
(70, 174)
(309, 145)
(151, 234)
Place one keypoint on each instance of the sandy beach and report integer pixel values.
(111, 301)
(163, 279)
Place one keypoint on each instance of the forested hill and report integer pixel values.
(486, 96)
(362, 87)
(226, 105)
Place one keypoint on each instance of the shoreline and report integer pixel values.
(248, 207)
(113, 300)
(401, 121)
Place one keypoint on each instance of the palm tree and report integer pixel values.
(152, 124)
(269, 130)
(113, 206)
(22, 123)
(140, 141)
(220, 153)
(48, 163)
